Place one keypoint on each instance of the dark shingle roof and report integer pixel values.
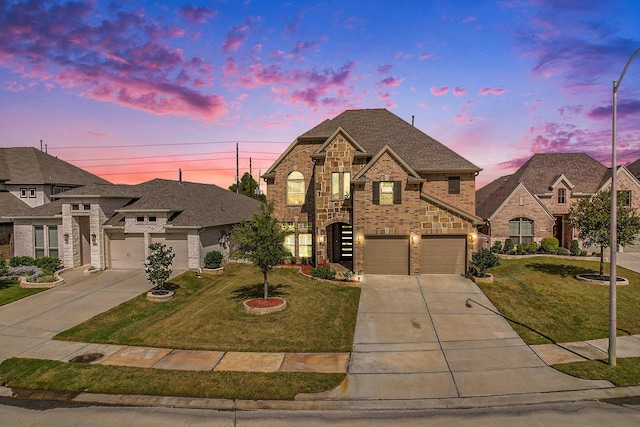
(11, 205)
(539, 173)
(27, 165)
(373, 129)
(195, 205)
(634, 168)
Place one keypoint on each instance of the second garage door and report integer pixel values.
(386, 255)
(178, 243)
(443, 255)
(127, 251)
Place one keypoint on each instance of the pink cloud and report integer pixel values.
(197, 14)
(300, 47)
(458, 91)
(384, 69)
(463, 118)
(424, 56)
(489, 91)
(469, 19)
(439, 91)
(235, 38)
(390, 82)
(125, 60)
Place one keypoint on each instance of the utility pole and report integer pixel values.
(237, 171)
(251, 180)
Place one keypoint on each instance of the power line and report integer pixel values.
(171, 161)
(275, 153)
(93, 147)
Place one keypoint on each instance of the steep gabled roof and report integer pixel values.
(413, 175)
(634, 168)
(30, 166)
(376, 128)
(539, 174)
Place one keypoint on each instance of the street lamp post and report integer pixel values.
(613, 278)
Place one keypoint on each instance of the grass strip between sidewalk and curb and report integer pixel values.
(36, 374)
(626, 373)
(11, 291)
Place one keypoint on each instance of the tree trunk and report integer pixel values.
(266, 286)
(601, 260)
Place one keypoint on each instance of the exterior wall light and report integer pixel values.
(94, 239)
(65, 236)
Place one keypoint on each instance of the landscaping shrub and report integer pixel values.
(17, 261)
(484, 260)
(48, 263)
(30, 271)
(508, 246)
(158, 264)
(584, 253)
(497, 247)
(3, 267)
(549, 245)
(521, 249)
(575, 248)
(213, 259)
(563, 251)
(532, 248)
(323, 272)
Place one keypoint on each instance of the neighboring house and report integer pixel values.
(370, 191)
(30, 178)
(534, 202)
(111, 226)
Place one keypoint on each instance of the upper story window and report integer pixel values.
(454, 185)
(562, 196)
(139, 219)
(28, 192)
(86, 207)
(295, 188)
(340, 185)
(387, 192)
(152, 219)
(75, 207)
(624, 197)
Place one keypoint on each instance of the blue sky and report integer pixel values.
(134, 90)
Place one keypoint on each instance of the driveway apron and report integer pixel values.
(435, 336)
(27, 325)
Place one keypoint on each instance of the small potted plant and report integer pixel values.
(481, 262)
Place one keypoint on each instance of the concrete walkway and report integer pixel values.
(418, 338)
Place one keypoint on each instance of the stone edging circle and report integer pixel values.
(487, 278)
(622, 282)
(24, 284)
(160, 298)
(264, 310)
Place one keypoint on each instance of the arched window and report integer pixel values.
(295, 188)
(521, 230)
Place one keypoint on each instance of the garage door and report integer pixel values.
(127, 251)
(180, 247)
(443, 255)
(386, 255)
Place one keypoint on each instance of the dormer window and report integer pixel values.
(387, 192)
(295, 188)
(562, 196)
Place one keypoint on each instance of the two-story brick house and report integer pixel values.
(370, 191)
(534, 202)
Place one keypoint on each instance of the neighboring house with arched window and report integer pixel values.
(370, 191)
(534, 202)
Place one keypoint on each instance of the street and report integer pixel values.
(17, 412)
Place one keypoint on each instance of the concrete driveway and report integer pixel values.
(417, 338)
(30, 322)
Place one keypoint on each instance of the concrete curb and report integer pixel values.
(342, 405)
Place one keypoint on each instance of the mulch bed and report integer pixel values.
(262, 303)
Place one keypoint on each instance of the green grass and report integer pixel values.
(625, 374)
(207, 315)
(52, 375)
(11, 291)
(543, 293)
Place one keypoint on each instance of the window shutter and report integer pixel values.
(397, 192)
(376, 193)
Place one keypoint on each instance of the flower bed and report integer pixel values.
(262, 306)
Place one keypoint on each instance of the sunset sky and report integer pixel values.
(135, 90)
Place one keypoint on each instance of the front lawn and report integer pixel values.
(207, 315)
(10, 291)
(543, 294)
(52, 375)
(626, 373)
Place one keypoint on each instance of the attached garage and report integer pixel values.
(386, 255)
(178, 242)
(443, 255)
(127, 251)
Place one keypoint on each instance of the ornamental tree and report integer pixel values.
(591, 216)
(261, 241)
(248, 187)
(158, 264)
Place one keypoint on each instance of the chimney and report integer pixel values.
(180, 175)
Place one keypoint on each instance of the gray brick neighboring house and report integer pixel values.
(30, 178)
(534, 202)
(370, 191)
(111, 226)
